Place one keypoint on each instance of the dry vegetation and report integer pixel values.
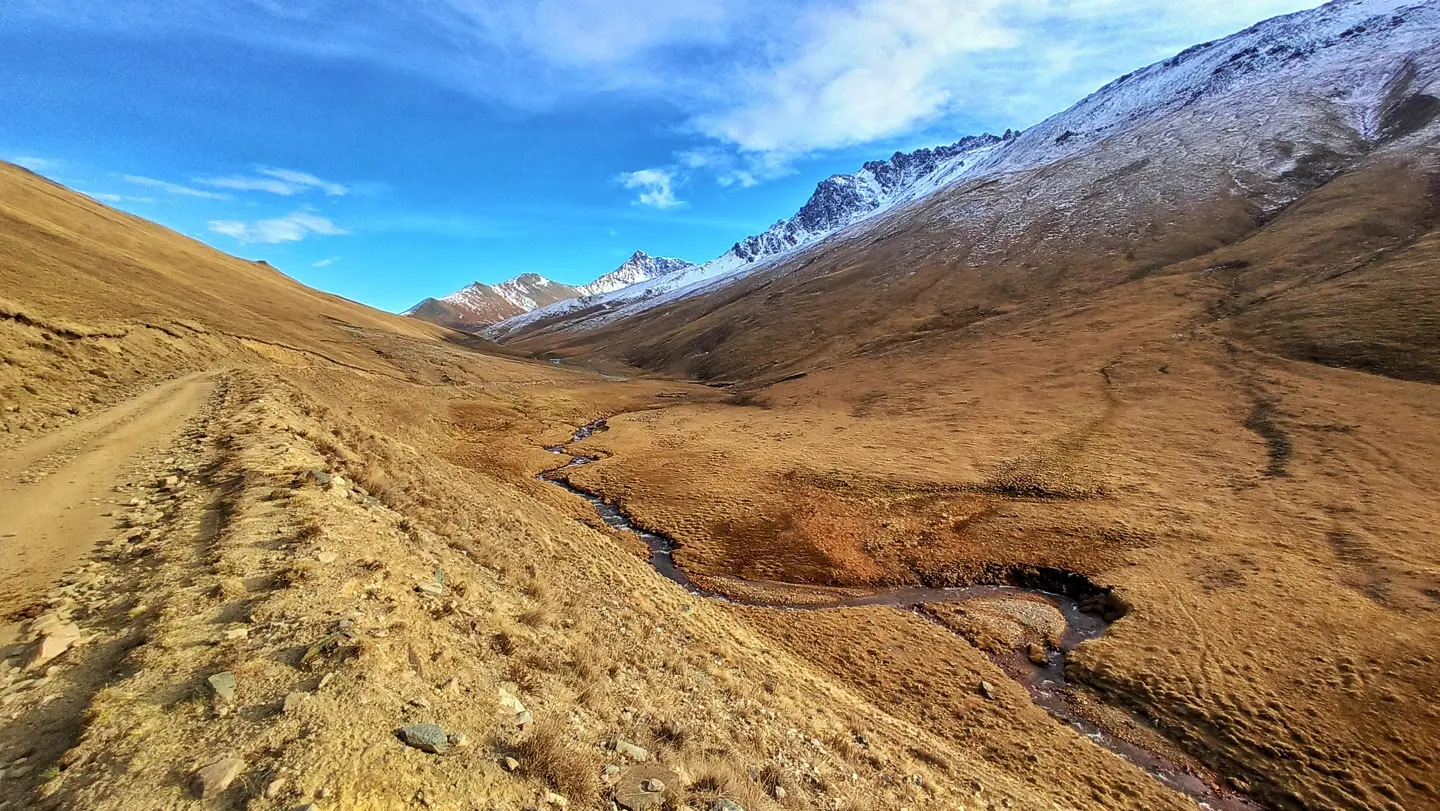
(360, 538)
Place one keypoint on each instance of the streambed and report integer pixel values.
(1043, 680)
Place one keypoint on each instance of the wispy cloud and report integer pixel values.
(115, 199)
(656, 187)
(284, 182)
(325, 263)
(756, 79)
(173, 188)
(36, 164)
(290, 228)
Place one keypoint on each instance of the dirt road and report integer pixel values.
(56, 493)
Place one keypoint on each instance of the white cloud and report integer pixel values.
(290, 228)
(284, 182)
(173, 188)
(325, 263)
(749, 77)
(656, 185)
(860, 74)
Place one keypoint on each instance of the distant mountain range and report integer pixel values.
(479, 305)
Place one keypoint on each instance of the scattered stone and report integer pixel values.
(643, 787)
(217, 775)
(433, 589)
(459, 740)
(223, 684)
(779, 792)
(425, 737)
(274, 787)
(510, 702)
(52, 643)
(524, 719)
(654, 785)
(169, 484)
(988, 690)
(1038, 655)
(630, 750)
(726, 805)
(510, 764)
(320, 477)
(326, 557)
(324, 680)
(419, 702)
(610, 772)
(557, 800)
(451, 686)
(321, 646)
(294, 701)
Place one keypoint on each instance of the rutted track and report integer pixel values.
(1045, 682)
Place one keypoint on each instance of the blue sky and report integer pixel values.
(395, 149)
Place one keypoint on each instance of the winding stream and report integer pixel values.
(1045, 682)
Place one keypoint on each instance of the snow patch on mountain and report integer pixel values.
(837, 203)
(639, 267)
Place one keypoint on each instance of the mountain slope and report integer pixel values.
(478, 305)
(639, 267)
(1173, 160)
(837, 202)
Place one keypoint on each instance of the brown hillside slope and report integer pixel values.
(350, 529)
(1126, 364)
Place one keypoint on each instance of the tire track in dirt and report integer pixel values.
(53, 491)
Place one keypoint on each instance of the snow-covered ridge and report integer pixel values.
(838, 202)
(1342, 56)
(638, 268)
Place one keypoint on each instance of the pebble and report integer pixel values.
(326, 557)
(294, 701)
(726, 805)
(630, 750)
(556, 800)
(235, 633)
(510, 764)
(988, 690)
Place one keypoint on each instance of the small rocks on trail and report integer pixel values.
(726, 805)
(223, 684)
(425, 737)
(988, 690)
(217, 775)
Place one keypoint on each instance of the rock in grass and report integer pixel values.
(223, 684)
(54, 641)
(217, 775)
(425, 737)
(643, 787)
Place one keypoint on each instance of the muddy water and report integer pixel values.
(1045, 682)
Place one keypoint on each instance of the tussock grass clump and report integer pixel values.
(549, 754)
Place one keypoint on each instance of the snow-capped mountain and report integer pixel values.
(837, 202)
(478, 305)
(639, 267)
(1268, 113)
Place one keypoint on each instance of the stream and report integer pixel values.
(1045, 682)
